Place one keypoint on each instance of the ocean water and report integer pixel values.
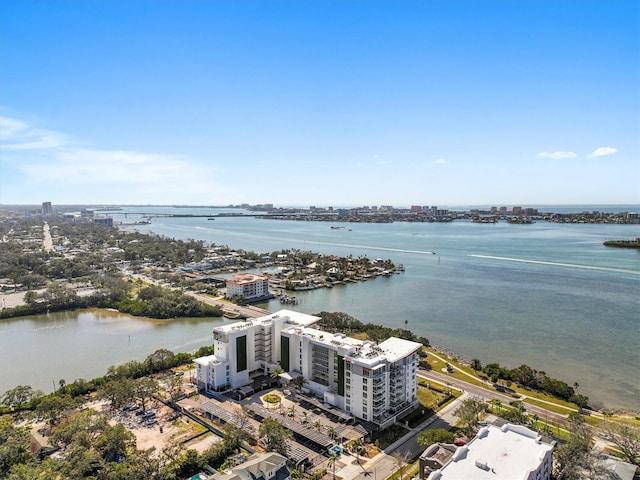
(547, 295)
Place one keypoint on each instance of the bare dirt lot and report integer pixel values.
(174, 430)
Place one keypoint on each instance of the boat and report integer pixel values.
(230, 315)
(210, 218)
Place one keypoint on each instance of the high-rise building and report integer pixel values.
(376, 383)
(47, 210)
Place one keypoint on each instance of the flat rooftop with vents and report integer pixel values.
(511, 452)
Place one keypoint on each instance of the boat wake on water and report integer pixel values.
(556, 264)
(369, 247)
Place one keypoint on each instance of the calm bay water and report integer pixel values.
(547, 295)
(39, 350)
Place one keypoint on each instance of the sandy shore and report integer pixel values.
(11, 300)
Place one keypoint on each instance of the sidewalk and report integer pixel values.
(414, 431)
(354, 470)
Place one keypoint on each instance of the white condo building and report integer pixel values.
(248, 286)
(500, 453)
(376, 383)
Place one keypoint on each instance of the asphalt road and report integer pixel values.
(488, 394)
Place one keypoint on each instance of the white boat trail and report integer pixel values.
(555, 264)
(368, 247)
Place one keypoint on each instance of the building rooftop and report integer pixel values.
(204, 361)
(257, 466)
(296, 318)
(397, 348)
(288, 316)
(326, 338)
(506, 453)
(246, 278)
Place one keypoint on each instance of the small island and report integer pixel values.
(635, 243)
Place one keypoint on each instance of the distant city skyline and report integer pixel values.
(449, 103)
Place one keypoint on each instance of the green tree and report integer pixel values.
(53, 407)
(115, 442)
(580, 400)
(159, 360)
(573, 459)
(274, 436)
(173, 384)
(331, 463)
(145, 389)
(357, 447)
(118, 391)
(14, 446)
(18, 396)
(31, 297)
(469, 413)
(298, 382)
(438, 435)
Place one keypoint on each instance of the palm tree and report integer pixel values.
(497, 403)
(305, 414)
(533, 421)
(298, 382)
(333, 457)
(358, 448)
(276, 374)
(331, 430)
(317, 424)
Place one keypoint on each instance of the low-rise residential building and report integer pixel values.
(248, 286)
(376, 383)
(500, 453)
(259, 466)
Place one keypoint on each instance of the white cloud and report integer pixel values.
(557, 155)
(17, 135)
(440, 161)
(48, 158)
(603, 151)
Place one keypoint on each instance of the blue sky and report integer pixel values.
(320, 102)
